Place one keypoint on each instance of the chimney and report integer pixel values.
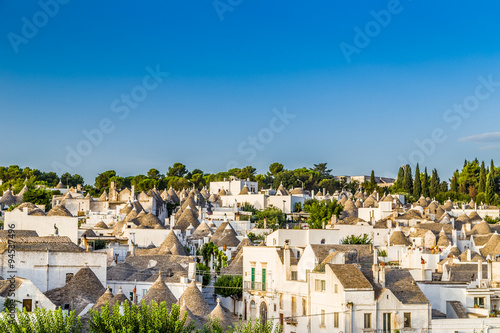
(131, 244)
(468, 226)
(133, 191)
(389, 223)
(286, 255)
(192, 270)
(454, 237)
(112, 186)
(375, 270)
(324, 191)
(490, 270)
(78, 187)
(382, 275)
(422, 269)
(479, 270)
(469, 255)
(312, 194)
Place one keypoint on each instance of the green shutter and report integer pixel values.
(263, 279)
(253, 278)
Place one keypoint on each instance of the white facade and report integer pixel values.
(233, 186)
(48, 270)
(43, 225)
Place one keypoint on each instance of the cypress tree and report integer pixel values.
(373, 183)
(417, 185)
(482, 178)
(454, 182)
(435, 182)
(490, 188)
(408, 181)
(399, 180)
(425, 184)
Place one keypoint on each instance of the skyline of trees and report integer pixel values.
(473, 181)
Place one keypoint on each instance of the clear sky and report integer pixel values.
(359, 82)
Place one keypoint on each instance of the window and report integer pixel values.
(322, 318)
(304, 306)
(407, 319)
(323, 241)
(281, 301)
(368, 320)
(336, 288)
(479, 302)
(336, 319)
(144, 291)
(386, 328)
(319, 285)
(69, 276)
(294, 306)
(294, 275)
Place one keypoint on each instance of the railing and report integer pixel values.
(255, 286)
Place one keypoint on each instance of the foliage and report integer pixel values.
(274, 218)
(246, 207)
(151, 317)
(229, 286)
(210, 249)
(253, 237)
(99, 244)
(38, 196)
(102, 181)
(258, 326)
(204, 271)
(491, 220)
(382, 253)
(40, 321)
(177, 170)
(353, 239)
(320, 212)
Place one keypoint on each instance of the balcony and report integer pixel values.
(254, 286)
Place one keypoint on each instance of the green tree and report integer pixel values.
(102, 180)
(408, 180)
(482, 178)
(38, 196)
(490, 188)
(323, 170)
(41, 321)
(321, 212)
(273, 215)
(417, 185)
(229, 286)
(434, 183)
(425, 183)
(154, 173)
(144, 317)
(353, 239)
(177, 170)
(399, 181)
(275, 168)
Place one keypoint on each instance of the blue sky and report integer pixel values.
(227, 76)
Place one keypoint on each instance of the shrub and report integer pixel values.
(41, 321)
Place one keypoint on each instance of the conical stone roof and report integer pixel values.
(194, 300)
(159, 292)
